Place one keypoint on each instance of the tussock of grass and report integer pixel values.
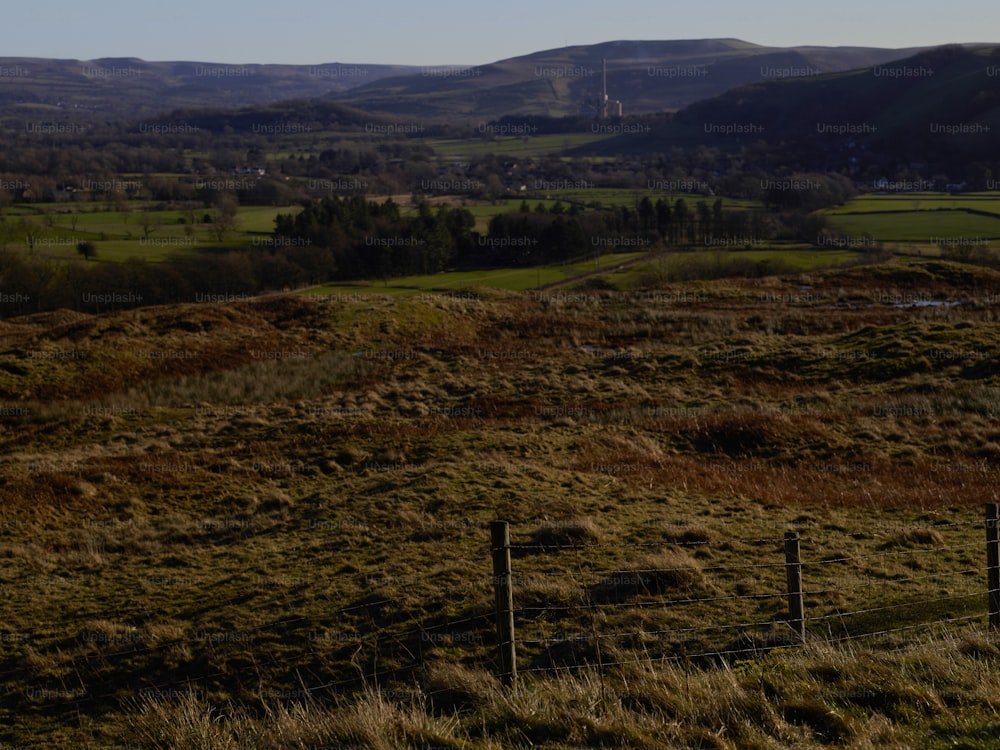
(452, 688)
(668, 573)
(694, 536)
(914, 538)
(569, 532)
(371, 721)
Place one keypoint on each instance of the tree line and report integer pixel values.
(374, 240)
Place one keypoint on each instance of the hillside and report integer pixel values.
(938, 108)
(287, 117)
(647, 76)
(264, 508)
(110, 88)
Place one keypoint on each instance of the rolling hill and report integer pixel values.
(133, 87)
(936, 112)
(647, 76)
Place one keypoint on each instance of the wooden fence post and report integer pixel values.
(993, 563)
(793, 573)
(504, 594)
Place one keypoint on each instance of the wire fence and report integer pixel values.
(688, 612)
(555, 607)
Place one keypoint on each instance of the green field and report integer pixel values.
(464, 149)
(120, 236)
(939, 220)
(261, 218)
(935, 220)
(918, 226)
(719, 264)
(920, 202)
(625, 271)
(510, 279)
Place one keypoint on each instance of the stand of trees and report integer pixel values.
(372, 240)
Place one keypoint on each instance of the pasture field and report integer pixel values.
(708, 264)
(621, 271)
(450, 150)
(920, 202)
(266, 522)
(121, 235)
(510, 279)
(933, 227)
(933, 219)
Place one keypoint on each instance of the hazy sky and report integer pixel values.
(437, 32)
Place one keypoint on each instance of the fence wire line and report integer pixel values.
(477, 618)
(647, 661)
(739, 597)
(388, 638)
(747, 625)
(364, 678)
(385, 635)
(517, 547)
(857, 535)
(382, 635)
(894, 553)
(639, 633)
(598, 577)
(875, 581)
(870, 610)
(901, 629)
(686, 658)
(647, 605)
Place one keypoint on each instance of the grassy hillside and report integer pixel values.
(269, 518)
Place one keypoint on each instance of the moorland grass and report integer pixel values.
(218, 547)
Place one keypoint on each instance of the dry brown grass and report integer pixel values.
(307, 497)
(818, 696)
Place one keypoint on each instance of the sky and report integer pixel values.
(461, 32)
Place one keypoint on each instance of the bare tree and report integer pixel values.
(224, 220)
(149, 224)
(31, 230)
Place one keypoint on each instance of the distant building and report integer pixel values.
(608, 108)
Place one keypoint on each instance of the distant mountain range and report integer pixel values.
(111, 88)
(646, 76)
